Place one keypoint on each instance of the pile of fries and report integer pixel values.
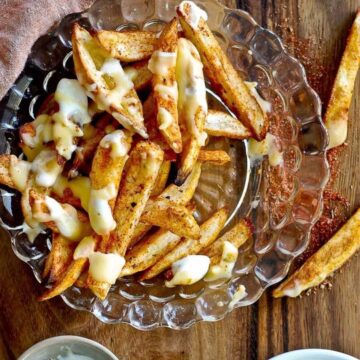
(99, 154)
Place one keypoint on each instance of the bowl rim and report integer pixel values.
(66, 339)
(310, 353)
(164, 323)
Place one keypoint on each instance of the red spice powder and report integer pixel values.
(335, 213)
(336, 207)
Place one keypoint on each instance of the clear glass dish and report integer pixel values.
(283, 202)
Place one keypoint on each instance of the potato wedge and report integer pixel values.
(5, 176)
(209, 231)
(105, 175)
(139, 74)
(60, 218)
(149, 251)
(128, 46)
(192, 106)
(164, 85)
(162, 178)
(337, 112)
(215, 157)
(219, 123)
(237, 235)
(179, 194)
(329, 258)
(171, 216)
(61, 256)
(69, 278)
(221, 73)
(106, 81)
(143, 167)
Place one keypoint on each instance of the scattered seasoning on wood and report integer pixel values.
(335, 214)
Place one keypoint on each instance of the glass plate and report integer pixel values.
(283, 202)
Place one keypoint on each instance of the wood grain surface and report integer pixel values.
(328, 319)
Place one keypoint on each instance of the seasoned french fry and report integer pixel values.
(143, 167)
(219, 123)
(149, 251)
(209, 231)
(5, 176)
(128, 46)
(106, 171)
(69, 278)
(60, 218)
(139, 74)
(221, 73)
(325, 261)
(171, 216)
(106, 81)
(216, 157)
(163, 66)
(179, 194)
(162, 178)
(192, 106)
(337, 113)
(61, 256)
(237, 235)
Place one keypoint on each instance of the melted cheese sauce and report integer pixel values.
(258, 149)
(265, 105)
(105, 267)
(19, 172)
(118, 142)
(238, 295)
(72, 100)
(65, 218)
(73, 114)
(192, 90)
(43, 132)
(188, 270)
(31, 232)
(46, 168)
(161, 62)
(164, 118)
(195, 13)
(119, 83)
(337, 132)
(79, 186)
(100, 212)
(65, 125)
(224, 269)
(85, 248)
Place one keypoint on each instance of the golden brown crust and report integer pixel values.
(337, 112)
(171, 216)
(237, 236)
(168, 43)
(210, 229)
(224, 79)
(215, 157)
(5, 177)
(128, 46)
(67, 280)
(330, 257)
(136, 186)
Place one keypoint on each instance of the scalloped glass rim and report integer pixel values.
(279, 234)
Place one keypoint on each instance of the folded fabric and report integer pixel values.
(22, 22)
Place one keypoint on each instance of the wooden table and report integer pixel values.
(327, 319)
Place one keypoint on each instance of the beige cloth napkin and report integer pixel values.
(22, 22)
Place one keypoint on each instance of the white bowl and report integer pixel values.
(52, 347)
(313, 354)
